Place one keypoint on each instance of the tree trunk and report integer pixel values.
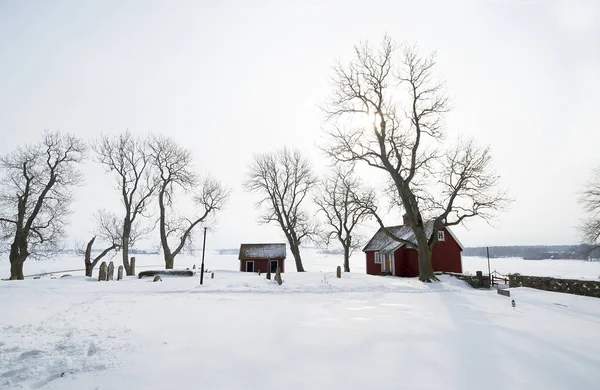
(296, 252)
(425, 265)
(346, 259)
(89, 268)
(18, 255)
(16, 270)
(169, 262)
(125, 251)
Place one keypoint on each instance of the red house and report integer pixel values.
(390, 257)
(261, 257)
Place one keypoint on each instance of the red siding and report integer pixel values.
(372, 268)
(261, 265)
(446, 256)
(407, 262)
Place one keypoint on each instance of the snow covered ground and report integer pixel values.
(240, 331)
(315, 261)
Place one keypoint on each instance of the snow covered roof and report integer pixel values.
(262, 251)
(383, 243)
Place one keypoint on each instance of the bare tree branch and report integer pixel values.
(590, 201)
(174, 167)
(128, 159)
(283, 180)
(36, 195)
(345, 204)
(383, 85)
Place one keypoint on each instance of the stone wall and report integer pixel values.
(475, 281)
(590, 288)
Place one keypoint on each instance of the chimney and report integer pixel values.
(405, 221)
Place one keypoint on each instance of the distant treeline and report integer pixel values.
(230, 251)
(539, 252)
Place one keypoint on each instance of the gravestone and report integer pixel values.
(278, 276)
(102, 273)
(120, 273)
(132, 265)
(339, 272)
(111, 271)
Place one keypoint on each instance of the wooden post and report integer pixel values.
(120, 273)
(339, 272)
(102, 274)
(111, 271)
(212, 275)
(132, 265)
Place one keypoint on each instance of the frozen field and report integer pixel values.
(317, 262)
(240, 331)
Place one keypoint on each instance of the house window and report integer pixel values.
(441, 236)
(377, 258)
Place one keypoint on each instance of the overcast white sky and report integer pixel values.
(231, 78)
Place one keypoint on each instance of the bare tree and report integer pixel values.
(284, 179)
(129, 160)
(590, 200)
(393, 90)
(345, 203)
(109, 231)
(174, 165)
(36, 195)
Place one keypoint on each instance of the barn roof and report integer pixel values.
(383, 243)
(262, 251)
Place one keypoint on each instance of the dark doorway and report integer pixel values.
(249, 266)
(273, 266)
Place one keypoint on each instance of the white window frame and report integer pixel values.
(441, 236)
(248, 262)
(377, 258)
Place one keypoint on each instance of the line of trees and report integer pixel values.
(36, 195)
(385, 111)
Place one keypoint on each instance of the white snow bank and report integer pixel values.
(239, 331)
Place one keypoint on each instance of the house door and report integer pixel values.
(388, 263)
(249, 266)
(273, 266)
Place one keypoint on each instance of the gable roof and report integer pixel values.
(383, 243)
(262, 251)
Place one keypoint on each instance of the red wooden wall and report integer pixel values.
(372, 268)
(446, 256)
(261, 265)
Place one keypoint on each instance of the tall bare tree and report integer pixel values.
(283, 179)
(590, 200)
(393, 91)
(109, 230)
(129, 160)
(174, 166)
(36, 195)
(345, 203)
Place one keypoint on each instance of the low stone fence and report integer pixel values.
(475, 281)
(166, 272)
(590, 288)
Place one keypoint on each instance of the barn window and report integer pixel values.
(441, 236)
(377, 258)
